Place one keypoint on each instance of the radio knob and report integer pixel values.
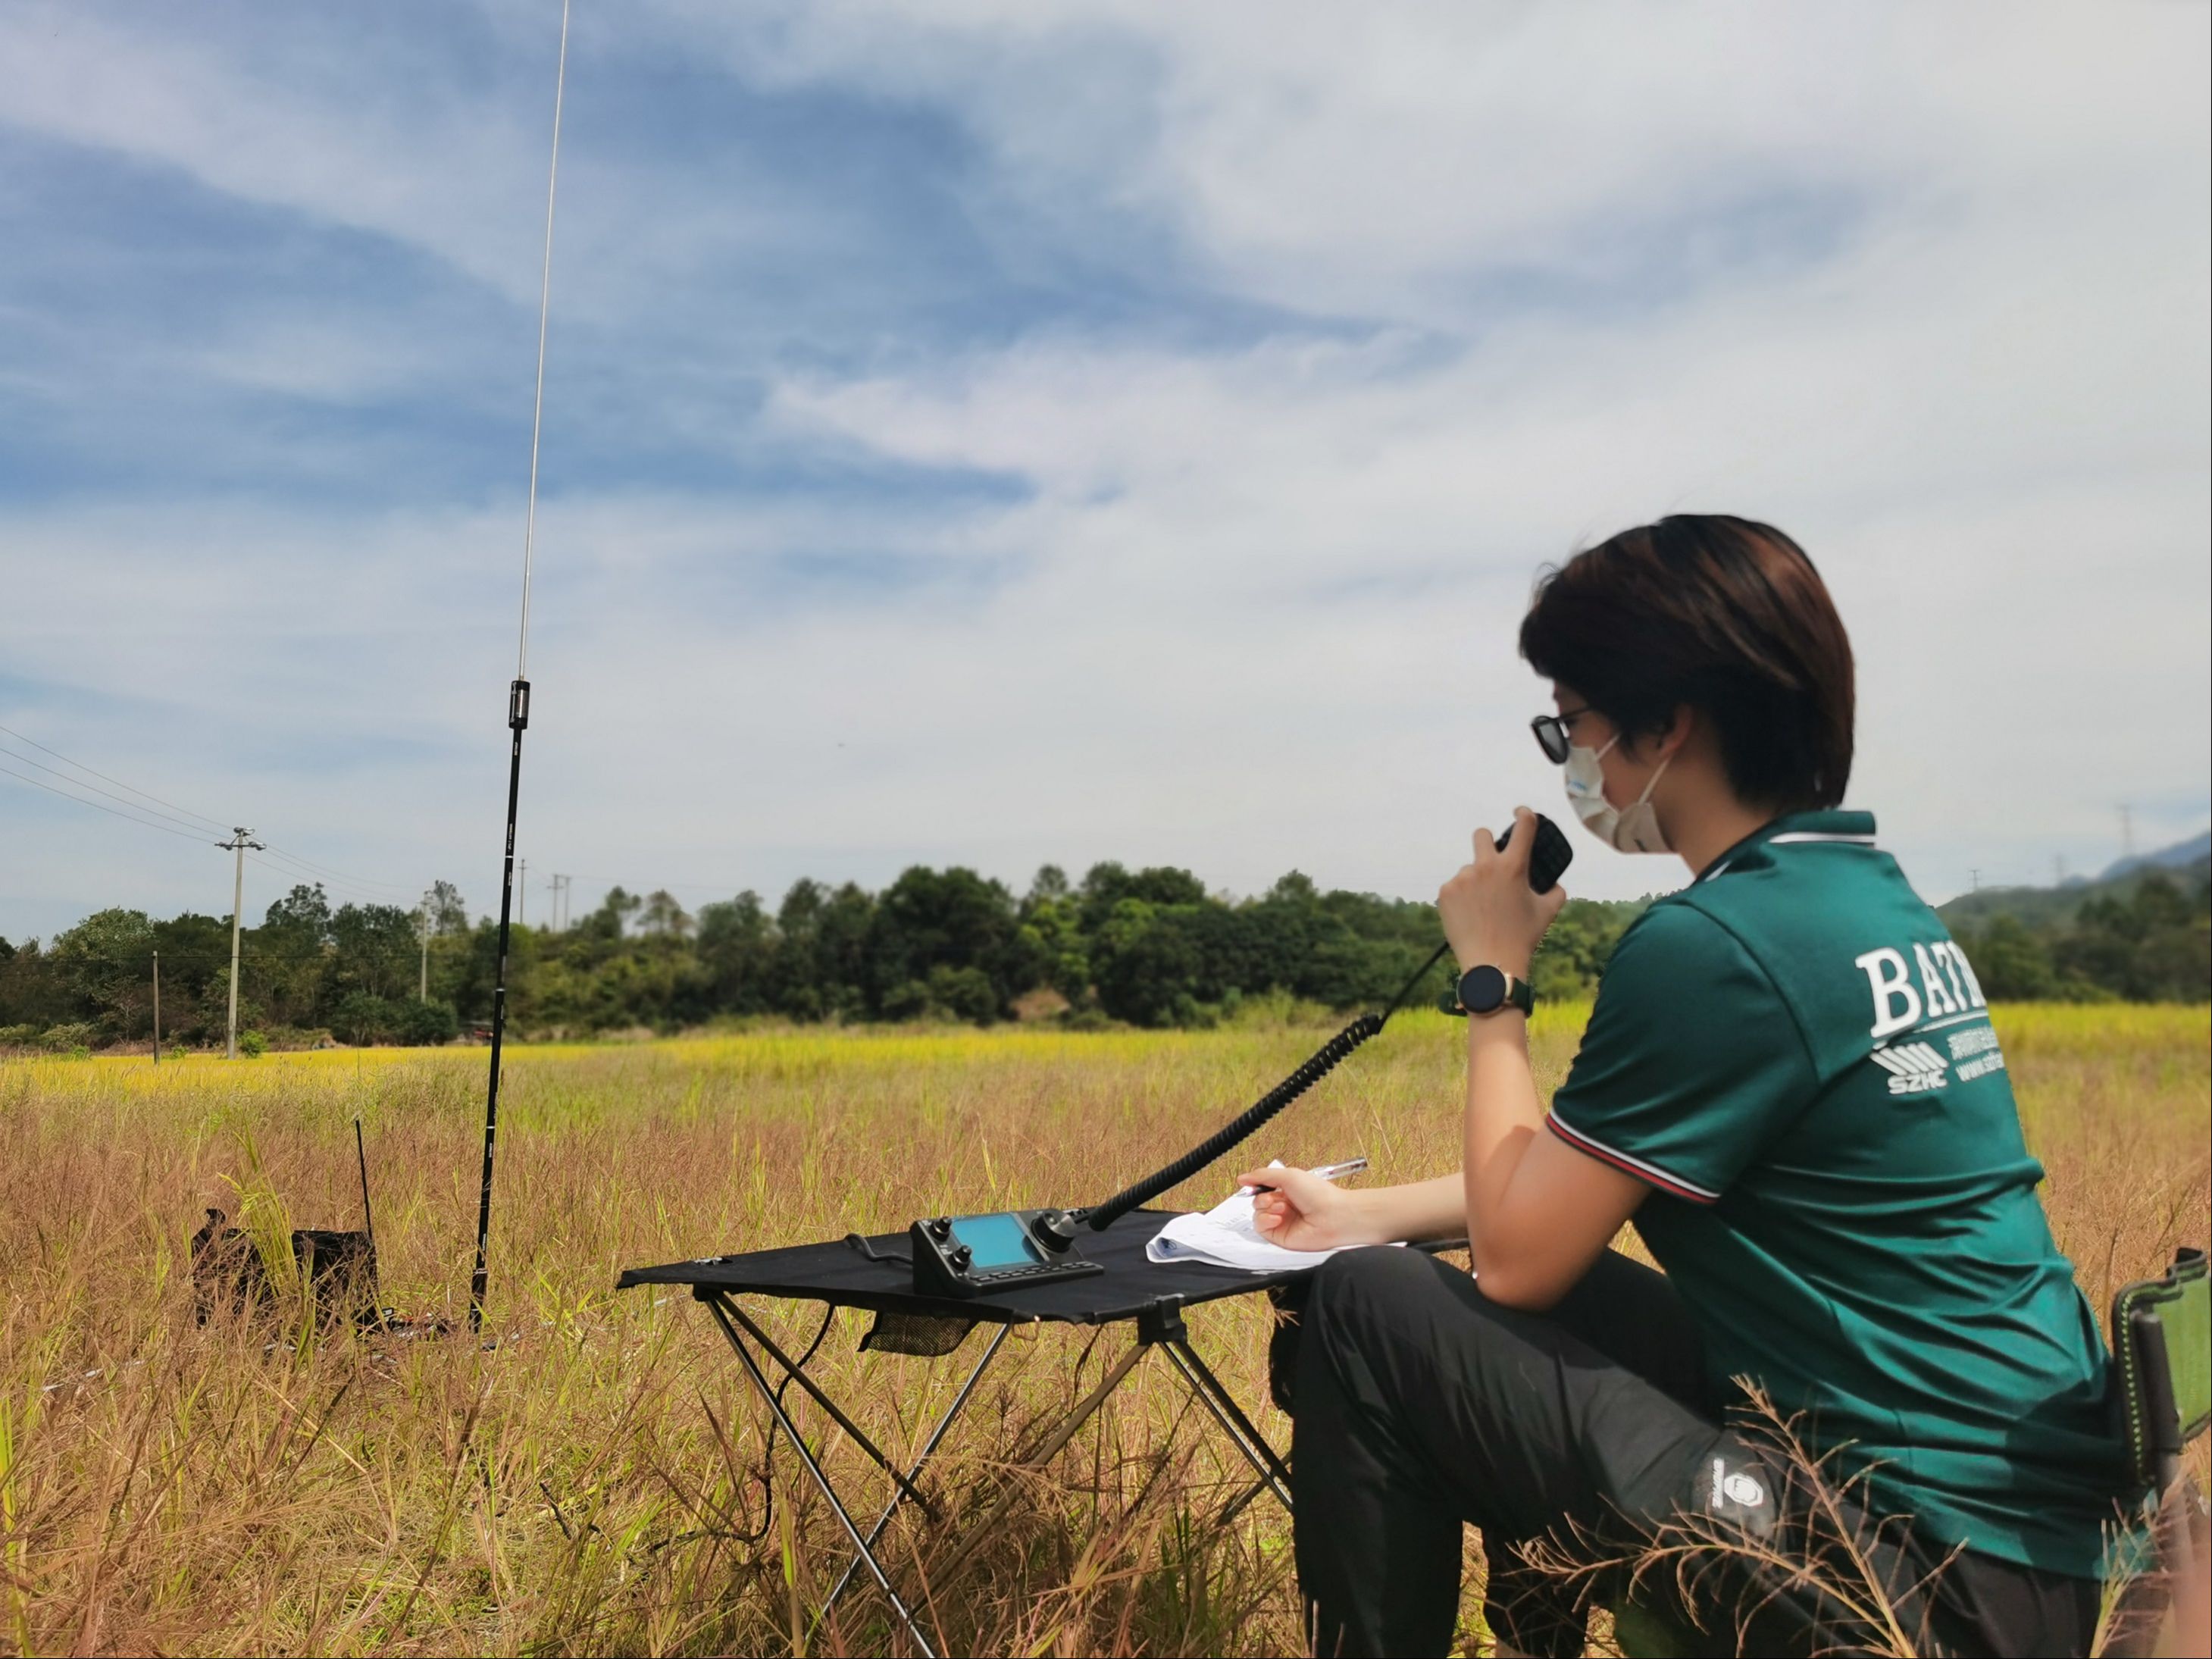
(941, 1229)
(962, 1256)
(1055, 1230)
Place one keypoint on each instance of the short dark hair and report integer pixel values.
(1725, 614)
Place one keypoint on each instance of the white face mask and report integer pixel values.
(1634, 829)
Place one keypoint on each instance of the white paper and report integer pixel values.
(1225, 1236)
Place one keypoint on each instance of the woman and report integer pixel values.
(1790, 1083)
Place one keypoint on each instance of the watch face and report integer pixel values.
(1482, 989)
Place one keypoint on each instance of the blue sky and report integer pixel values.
(994, 433)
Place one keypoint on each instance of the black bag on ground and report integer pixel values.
(227, 1275)
(338, 1270)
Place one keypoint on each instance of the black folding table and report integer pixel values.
(840, 1274)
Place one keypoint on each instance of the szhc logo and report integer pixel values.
(1914, 1068)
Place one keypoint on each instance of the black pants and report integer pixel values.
(1420, 1405)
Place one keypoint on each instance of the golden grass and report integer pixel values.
(587, 1485)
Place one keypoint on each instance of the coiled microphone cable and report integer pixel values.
(1317, 1066)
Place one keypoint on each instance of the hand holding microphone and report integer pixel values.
(1495, 909)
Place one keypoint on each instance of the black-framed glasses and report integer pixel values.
(1555, 733)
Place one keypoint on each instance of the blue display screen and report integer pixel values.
(997, 1240)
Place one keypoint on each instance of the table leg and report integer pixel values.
(726, 1309)
(799, 1445)
(1036, 1460)
(928, 1451)
(1230, 1416)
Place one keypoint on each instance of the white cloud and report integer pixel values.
(354, 129)
(429, 128)
(1367, 160)
(1254, 606)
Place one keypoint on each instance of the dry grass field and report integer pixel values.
(594, 1482)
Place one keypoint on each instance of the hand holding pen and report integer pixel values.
(1350, 1166)
(1306, 1210)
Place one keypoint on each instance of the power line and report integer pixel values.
(147, 823)
(139, 813)
(214, 823)
(300, 875)
(343, 889)
(303, 879)
(340, 875)
(79, 783)
(325, 872)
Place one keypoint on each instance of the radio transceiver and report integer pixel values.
(1012, 1249)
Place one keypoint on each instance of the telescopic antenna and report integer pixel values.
(517, 707)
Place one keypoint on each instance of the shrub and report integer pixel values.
(1089, 1016)
(1192, 1015)
(908, 999)
(361, 1018)
(252, 1044)
(964, 993)
(424, 1025)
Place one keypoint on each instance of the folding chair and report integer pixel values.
(2163, 1344)
(2162, 1348)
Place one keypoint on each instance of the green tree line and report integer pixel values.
(2145, 939)
(1148, 947)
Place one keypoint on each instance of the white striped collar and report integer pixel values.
(1830, 828)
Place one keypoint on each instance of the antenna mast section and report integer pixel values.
(518, 707)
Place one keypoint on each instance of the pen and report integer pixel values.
(1350, 1166)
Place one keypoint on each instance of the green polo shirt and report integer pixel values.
(1796, 1057)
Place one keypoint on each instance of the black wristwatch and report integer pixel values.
(1484, 989)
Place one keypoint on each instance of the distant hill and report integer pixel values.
(2186, 864)
(2182, 855)
(2142, 933)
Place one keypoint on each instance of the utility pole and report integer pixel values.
(157, 1007)
(241, 838)
(1975, 876)
(423, 995)
(561, 904)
